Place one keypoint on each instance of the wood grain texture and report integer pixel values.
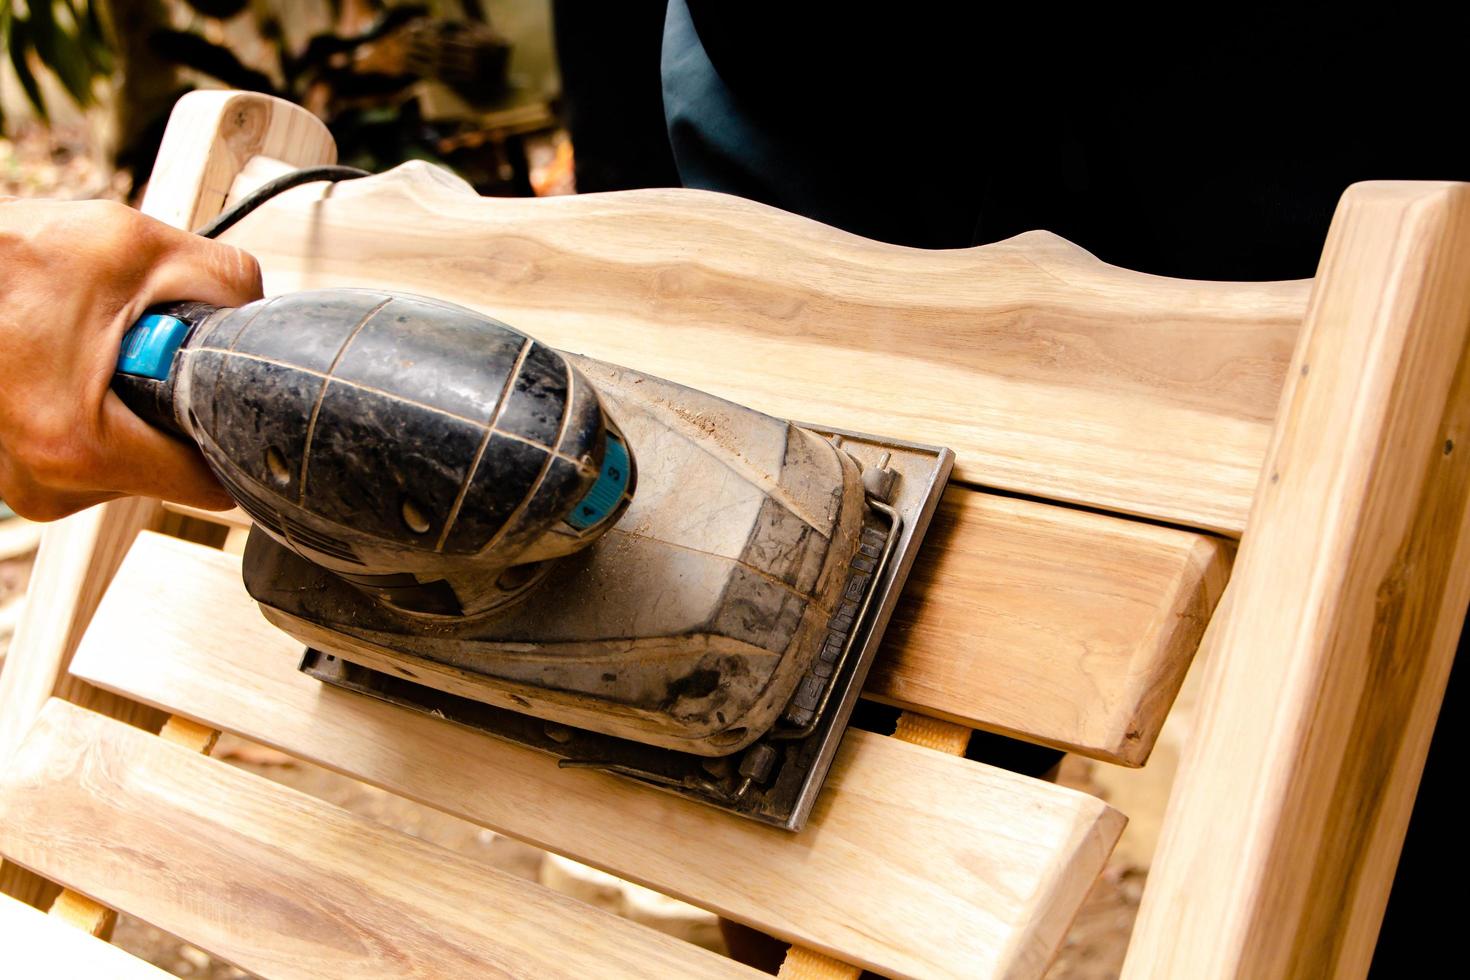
(86, 913)
(74, 565)
(1047, 371)
(284, 885)
(1285, 824)
(1054, 625)
(1046, 623)
(36, 945)
(802, 963)
(915, 863)
(211, 136)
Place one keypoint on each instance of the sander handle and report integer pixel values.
(145, 378)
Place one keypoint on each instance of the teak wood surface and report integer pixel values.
(1052, 375)
(916, 863)
(1047, 371)
(284, 885)
(1053, 625)
(1326, 677)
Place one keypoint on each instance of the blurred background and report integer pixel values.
(86, 85)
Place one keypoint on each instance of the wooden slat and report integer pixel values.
(915, 863)
(1054, 625)
(1282, 835)
(1047, 623)
(36, 945)
(281, 884)
(1046, 371)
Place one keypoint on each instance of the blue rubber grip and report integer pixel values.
(605, 494)
(149, 346)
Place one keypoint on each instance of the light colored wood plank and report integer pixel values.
(802, 963)
(281, 884)
(1050, 624)
(1284, 828)
(92, 916)
(915, 863)
(36, 945)
(1047, 371)
(211, 136)
(1054, 625)
(85, 913)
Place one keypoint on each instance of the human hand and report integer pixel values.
(73, 277)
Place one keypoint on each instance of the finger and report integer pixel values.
(139, 459)
(200, 269)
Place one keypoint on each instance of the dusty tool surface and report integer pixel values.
(800, 760)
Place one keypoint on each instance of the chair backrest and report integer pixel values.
(1058, 380)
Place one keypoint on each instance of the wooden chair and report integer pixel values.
(1323, 419)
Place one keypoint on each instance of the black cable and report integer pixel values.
(270, 189)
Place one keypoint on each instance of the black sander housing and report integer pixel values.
(449, 515)
(417, 450)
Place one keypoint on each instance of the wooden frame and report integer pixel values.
(1052, 375)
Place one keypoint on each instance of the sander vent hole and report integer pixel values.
(275, 462)
(417, 522)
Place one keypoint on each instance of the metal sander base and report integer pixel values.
(786, 798)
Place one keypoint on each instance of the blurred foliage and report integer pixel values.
(393, 79)
(66, 36)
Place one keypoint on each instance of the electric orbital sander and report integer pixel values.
(625, 573)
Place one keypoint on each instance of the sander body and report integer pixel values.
(620, 571)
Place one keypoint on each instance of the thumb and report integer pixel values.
(143, 461)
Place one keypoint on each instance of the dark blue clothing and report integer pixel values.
(1170, 139)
